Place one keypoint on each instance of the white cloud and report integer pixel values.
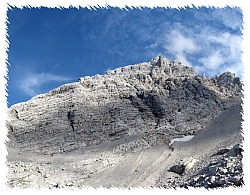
(227, 54)
(180, 45)
(33, 81)
(213, 61)
(228, 41)
(208, 50)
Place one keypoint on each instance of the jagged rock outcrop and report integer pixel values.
(158, 100)
(220, 170)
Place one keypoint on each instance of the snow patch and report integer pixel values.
(183, 139)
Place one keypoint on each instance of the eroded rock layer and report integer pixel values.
(155, 101)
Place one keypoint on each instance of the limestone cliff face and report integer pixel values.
(154, 101)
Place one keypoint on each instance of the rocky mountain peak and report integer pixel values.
(156, 101)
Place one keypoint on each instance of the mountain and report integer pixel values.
(125, 112)
(157, 100)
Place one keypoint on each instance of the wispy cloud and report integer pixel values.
(209, 51)
(229, 17)
(32, 82)
(212, 61)
(179, 44)
(152, 46)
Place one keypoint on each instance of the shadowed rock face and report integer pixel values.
(156, 101)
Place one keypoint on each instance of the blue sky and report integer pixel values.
(51, 47)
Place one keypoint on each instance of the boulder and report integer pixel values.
(236, 150)
(184, 166)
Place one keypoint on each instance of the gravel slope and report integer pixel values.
(148, 167)
(99, 166)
